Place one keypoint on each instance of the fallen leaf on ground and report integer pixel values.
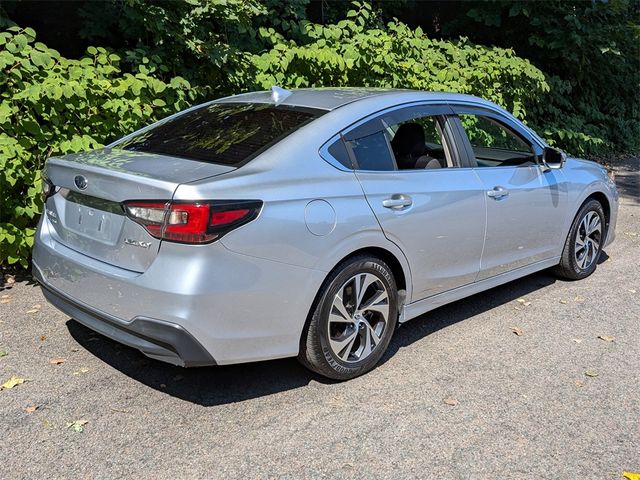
(9, 280)
(631, 476)
(4, 296)
(77, 425)
(31, 409)
(57, 361)
(578, 299)
(524, 302)
(564, 302)
(452, 402)
(632, 290)
(12, 382)
(517, 331)
(606, 338)
(35, 308)
(82, 370)
(579, 383)
(75, 349)
(5, 300)
(47, 424)
(42, 338)
(577, 340)
(591, 373)
(3, 353)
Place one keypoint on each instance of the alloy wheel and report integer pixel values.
(358, 318)
(588, 239)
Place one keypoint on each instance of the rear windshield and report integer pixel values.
(225, 133)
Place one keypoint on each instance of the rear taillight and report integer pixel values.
(192, 222)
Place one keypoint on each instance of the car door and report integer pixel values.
(426, 201)
(526, 205)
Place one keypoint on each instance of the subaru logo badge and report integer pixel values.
(81, 182)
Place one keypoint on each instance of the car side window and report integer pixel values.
(406, 139)
(418, 143)
(372, 152)
(494, 144)
(338, 151)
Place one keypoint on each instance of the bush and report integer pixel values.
(50, 105)
(590, 51)
(356, 52)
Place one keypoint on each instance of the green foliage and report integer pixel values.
(208, 42)
(590, 51)
(358, 52)
(50, 105)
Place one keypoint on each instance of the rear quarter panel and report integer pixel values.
(314, 214)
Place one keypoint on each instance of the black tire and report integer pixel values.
(315, 351)
(569, 266)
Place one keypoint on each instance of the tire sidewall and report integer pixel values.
(381, 271)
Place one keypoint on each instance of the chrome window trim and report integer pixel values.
(512, 124)
(508, 119)
(530, 134)
(324, 149)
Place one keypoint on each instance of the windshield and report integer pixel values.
(224, 133)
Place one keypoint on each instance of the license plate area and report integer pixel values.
(93, 218)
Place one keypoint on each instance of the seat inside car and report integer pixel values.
(409, 148)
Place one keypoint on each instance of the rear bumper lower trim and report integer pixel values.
(156, 339)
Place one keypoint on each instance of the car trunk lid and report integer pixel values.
(86, 213)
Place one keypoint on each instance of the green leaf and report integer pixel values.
(76, 425)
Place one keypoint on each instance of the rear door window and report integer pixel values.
(411, 138)
(223, 133)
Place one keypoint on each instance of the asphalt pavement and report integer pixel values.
(536, 379)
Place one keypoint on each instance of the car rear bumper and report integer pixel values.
(192, 305)
(157, 339)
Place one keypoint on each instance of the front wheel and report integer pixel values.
(352, 320)
(583, 246)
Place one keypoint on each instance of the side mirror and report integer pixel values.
(552, 158)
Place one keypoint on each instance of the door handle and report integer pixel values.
(498, 193)
(397, 201)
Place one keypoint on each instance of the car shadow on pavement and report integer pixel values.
(209, 386)
(461, 310)
(205, 386)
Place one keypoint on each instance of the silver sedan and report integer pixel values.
(309, 223)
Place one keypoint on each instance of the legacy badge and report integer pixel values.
(136, 243)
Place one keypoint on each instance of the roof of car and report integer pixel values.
(332, 98)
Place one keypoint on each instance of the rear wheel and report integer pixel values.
(352, 320)
(583, 246)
